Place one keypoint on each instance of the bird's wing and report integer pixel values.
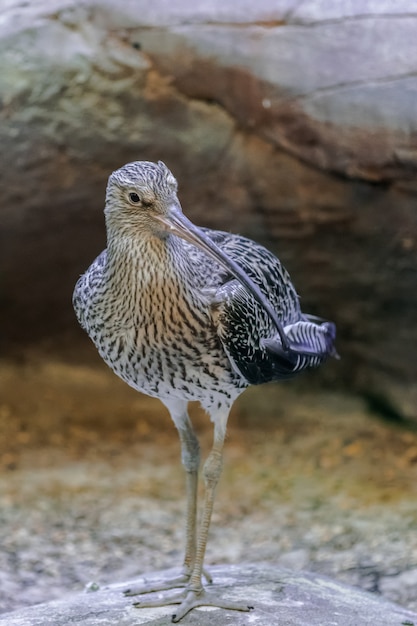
(83, 298)
(264, 268)
(248, 337)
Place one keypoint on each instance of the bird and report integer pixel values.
(186, 313)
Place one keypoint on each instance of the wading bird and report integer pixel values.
(184, 313)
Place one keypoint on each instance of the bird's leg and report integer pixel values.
(211, 473)
(190, 455)
(194, 595)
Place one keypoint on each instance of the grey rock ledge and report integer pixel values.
(281, 597)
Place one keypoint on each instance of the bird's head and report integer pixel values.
(140, 196)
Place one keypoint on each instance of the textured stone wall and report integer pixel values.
(293, 123)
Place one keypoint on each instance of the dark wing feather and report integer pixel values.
(248, 337)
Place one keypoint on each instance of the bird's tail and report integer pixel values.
(311, 342)
(310, 337)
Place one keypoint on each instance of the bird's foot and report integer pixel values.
(190, 599)
(150, 586)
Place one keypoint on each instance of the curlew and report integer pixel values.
(184, 313)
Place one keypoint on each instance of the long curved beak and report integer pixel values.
(176, 223)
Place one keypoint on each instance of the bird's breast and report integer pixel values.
(153, 326)
(167, 344)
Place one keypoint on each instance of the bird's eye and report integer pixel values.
(133, 197)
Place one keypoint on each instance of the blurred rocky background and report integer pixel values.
(294, 123)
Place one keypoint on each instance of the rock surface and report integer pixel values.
(294, 123)
(92, 488)
(280, 597)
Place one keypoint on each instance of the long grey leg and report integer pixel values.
(190, 455)
(211, 472)
(194, 594)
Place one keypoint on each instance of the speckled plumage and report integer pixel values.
(171, 312)
(153, 326)
(171, 322)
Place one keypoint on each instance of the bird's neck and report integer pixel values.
(145, 262)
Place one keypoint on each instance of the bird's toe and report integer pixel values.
(151, 586)
(194, 599)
